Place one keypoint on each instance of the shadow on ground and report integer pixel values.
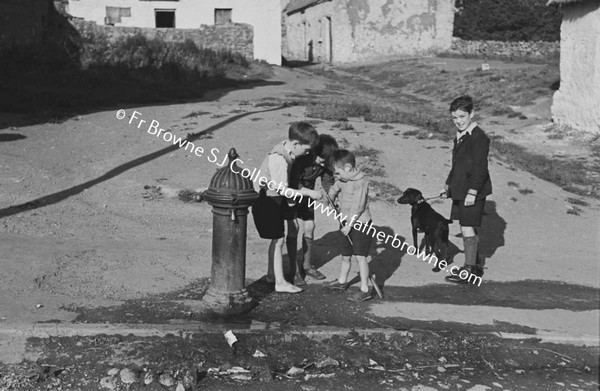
(66, 193)
(320, 306)
(4, 137)
(68, 73)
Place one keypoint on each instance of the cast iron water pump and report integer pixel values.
(230, 195)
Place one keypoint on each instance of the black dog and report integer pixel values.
(427, 220)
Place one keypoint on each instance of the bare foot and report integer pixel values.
(287, 288)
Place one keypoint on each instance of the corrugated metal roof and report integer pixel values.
(299, 5)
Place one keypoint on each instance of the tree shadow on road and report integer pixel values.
(11, 137)
(62, 195)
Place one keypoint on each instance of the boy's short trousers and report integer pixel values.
(267, 213)
(303, 211)
(300, 210)
(468, 216)
(361, 243)
(288, 212)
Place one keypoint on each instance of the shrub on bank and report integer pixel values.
(176, 61)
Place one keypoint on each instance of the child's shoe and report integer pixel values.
(299, 280)
(335, 284)
(457, 279)
(314, 273)
(360, 296)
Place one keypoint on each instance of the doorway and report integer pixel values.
(327, 41)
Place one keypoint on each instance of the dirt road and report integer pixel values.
(89, 217)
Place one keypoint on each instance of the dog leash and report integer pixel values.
(432, 198)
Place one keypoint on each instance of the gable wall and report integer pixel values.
(577, 103)
(370, 29)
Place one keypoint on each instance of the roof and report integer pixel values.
(299, 5)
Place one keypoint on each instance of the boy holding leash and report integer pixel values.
(468, 183)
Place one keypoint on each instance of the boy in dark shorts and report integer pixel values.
(352, 190)
(270, 209)
(468, 183)
(305, 171)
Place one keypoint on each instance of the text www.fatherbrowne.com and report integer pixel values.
(254, 175)
(381, 236)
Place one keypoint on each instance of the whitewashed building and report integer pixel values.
(341, 31)
(263, 15)
(577, 102)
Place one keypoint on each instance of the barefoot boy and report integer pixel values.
(468, 184)
(353, 190)
(271, 208)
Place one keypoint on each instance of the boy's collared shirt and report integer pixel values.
(353, 198)
(276, 167)
(468, 130)
(279, 167)
(469, 170)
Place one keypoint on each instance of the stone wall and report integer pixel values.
(234, 37)
(495, 49)
(263, 15)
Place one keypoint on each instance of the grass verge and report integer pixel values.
(569, 175)
(425, 86)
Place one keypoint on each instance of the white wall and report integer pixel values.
(577, 103)
(263, 15)
(371, 29)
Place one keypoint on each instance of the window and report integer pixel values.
(164, 18)
(222, 15)
(114, 14)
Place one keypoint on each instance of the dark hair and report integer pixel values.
(464, 103)
(304, 133)
(326, 147)
(343, 156)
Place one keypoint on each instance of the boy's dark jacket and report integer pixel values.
(470, 166)
(305, 172)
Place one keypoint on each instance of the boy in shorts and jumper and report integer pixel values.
(305, 171)
(353, 191)
(468, 183)
(270, 208)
